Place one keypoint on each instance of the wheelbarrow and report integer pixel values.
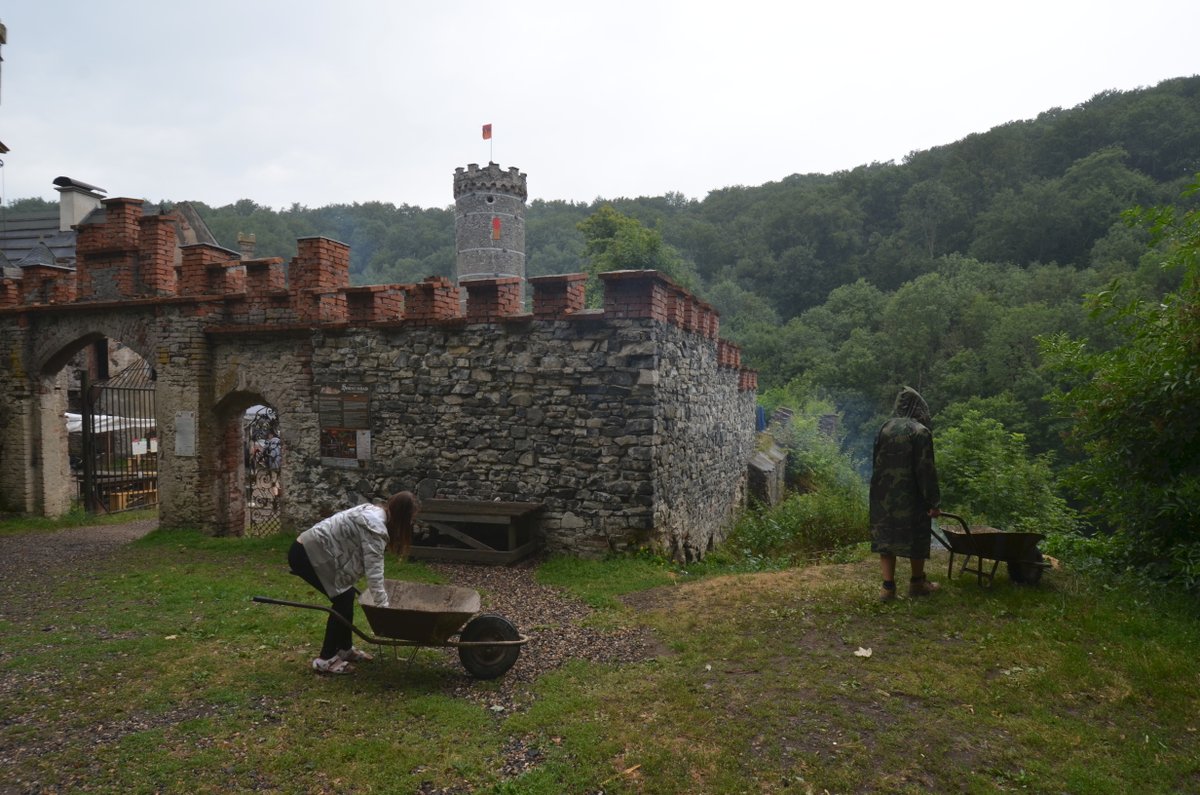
(423, 615)
(1018, 550)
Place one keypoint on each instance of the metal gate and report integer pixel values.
(118, 452)
(264, 457)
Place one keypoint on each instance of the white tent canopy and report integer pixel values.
(104, 423)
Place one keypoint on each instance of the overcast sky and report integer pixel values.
(284, 101)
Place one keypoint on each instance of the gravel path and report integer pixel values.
(32, 564)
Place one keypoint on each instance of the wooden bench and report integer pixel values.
(475, 531)
(135, 498)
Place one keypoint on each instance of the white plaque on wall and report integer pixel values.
(185, 433)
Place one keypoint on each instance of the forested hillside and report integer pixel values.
(937, 272)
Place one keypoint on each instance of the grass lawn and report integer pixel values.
(157, 674)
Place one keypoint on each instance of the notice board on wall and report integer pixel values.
(344, 412)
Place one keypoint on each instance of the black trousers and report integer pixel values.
(338, 636)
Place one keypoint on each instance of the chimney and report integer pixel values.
(246, 245)
(76, 201)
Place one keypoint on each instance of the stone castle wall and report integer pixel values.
(632, 425)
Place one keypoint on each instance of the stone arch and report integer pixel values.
(57, 344)
(53, 348)
(230, 458)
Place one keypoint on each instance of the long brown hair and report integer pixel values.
(402, 508)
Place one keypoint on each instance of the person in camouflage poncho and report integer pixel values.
(904, 493)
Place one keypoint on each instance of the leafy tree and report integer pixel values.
(614, 241)
(1135, 409)
(987, 474)
(927, 209)
(30, 205)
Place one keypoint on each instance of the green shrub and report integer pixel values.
(987, 474)
(803, 526)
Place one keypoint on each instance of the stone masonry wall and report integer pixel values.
(632, 425)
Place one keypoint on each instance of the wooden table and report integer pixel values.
(475, 530)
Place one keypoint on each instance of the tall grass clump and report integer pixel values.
(801, 527)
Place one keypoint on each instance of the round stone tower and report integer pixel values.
(489, 222)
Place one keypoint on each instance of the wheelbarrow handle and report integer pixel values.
(944, 541)
(324, 609)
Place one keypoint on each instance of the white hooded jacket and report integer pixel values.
(347, 546)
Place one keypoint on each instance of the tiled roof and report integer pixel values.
(34, 237)
(21, 234)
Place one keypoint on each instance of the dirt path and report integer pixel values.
(32, 564)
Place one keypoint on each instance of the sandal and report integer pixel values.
(355, 655)
(333, 665)
(921, 586)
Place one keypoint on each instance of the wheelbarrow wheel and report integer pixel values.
(488, 662)
(1026, 572)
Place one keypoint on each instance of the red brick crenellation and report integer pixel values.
(156, 255)
(558, 295)
(10, 293)
(119, 232)
(374, 303)
(636, 294)
(317, 307)
(728, 354)
(320, 264)
(266, 275)
(434, 300)
(47, 284)
(492, 299)
(210, 270)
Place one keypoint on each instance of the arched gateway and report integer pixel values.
(630, 424)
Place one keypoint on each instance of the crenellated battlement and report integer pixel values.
(490, 179)
(129, 256)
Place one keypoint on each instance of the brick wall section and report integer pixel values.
(321, 264)
(433, 300)
(710, 321)
(265, 275)
(493, 299)
(120, 231)
(557, 296)
(210, 270)
(636, 294)
(677, 302)
(10, 293)
(156, 255)
(316, 307)
(728, 355)
(47, 284)
(373, 304)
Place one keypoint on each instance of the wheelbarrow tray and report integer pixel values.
(994, 544)
(420, 612)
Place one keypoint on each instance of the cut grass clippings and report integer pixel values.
(166, 678)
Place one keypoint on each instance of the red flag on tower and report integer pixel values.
(487, 132)
(495, 228)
